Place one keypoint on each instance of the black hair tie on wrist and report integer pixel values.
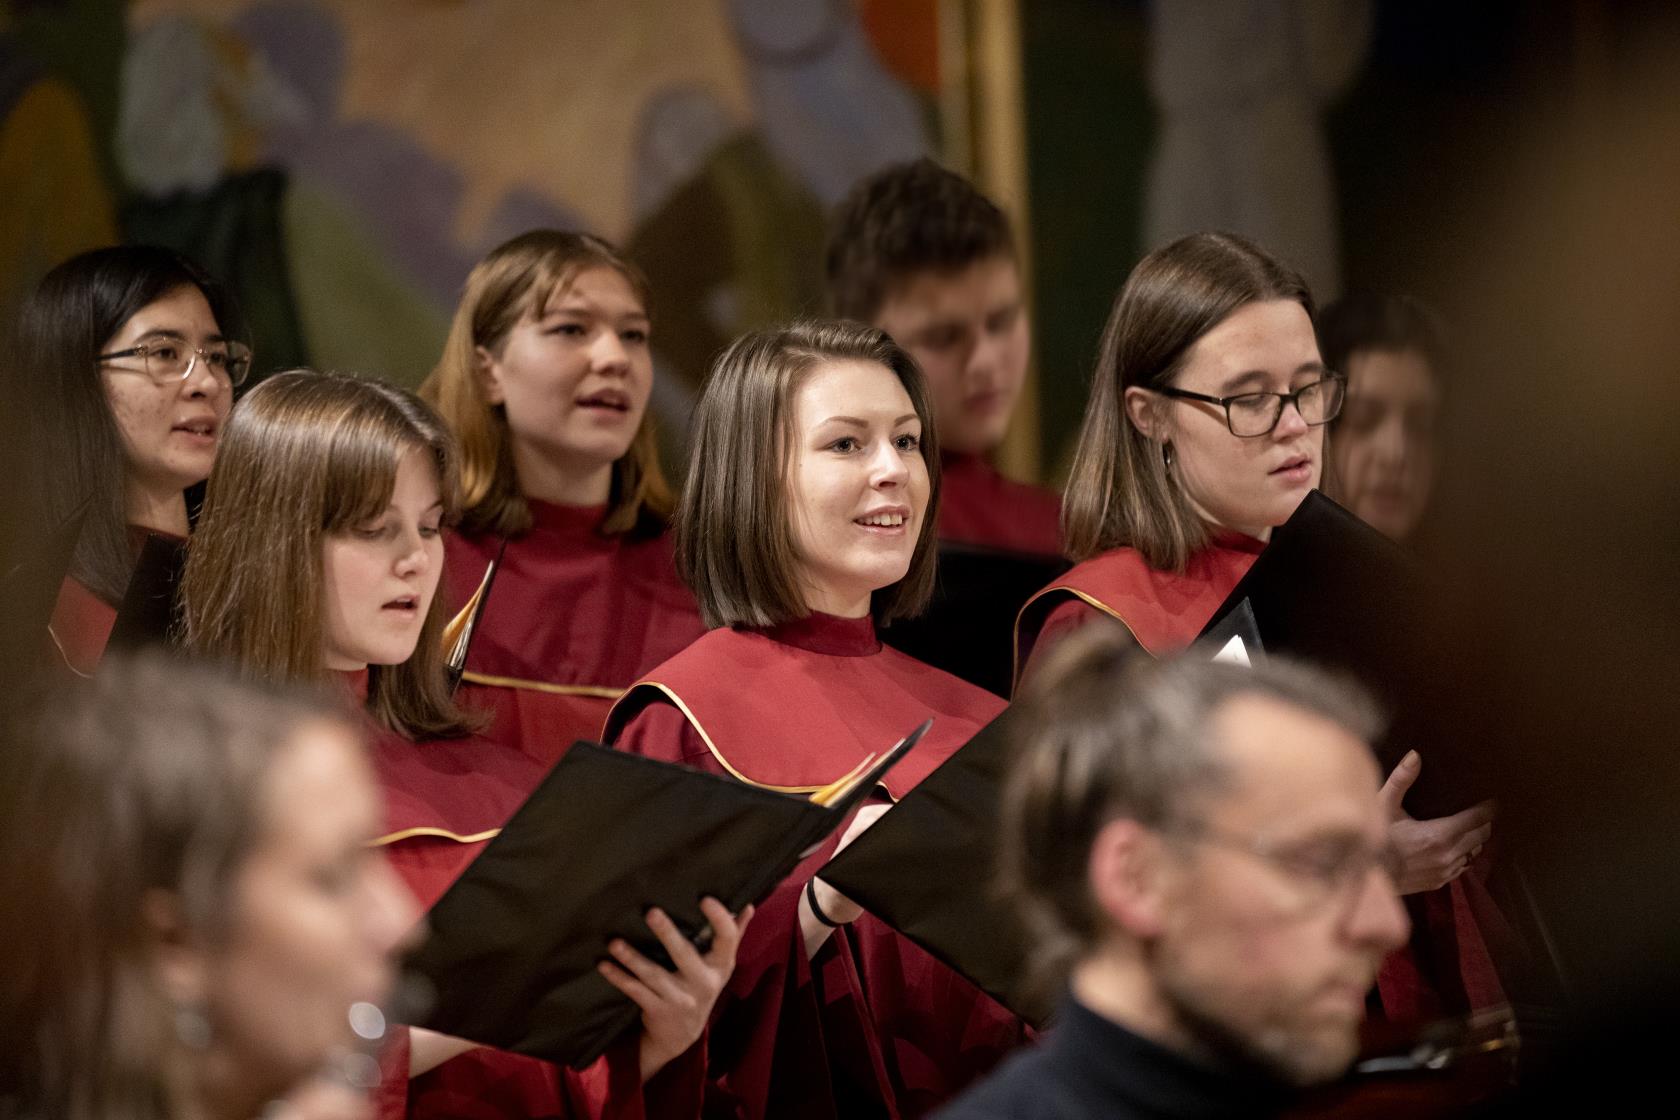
(816, 910)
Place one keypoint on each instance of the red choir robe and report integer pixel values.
(1447, 968)
(979, 506)
(82, 621)
(873, 1024)
(444, 800)
(81, 625)
(573, 618)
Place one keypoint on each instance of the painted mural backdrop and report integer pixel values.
(344, 162)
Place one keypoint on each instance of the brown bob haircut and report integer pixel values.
(149, 778)
(1119, 491)
(734, 535)
(513, 283)
(1105, 732)
(904, 220)
(305, 456)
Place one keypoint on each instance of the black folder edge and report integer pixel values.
(838, 873)
(824, 821)
(147, 614)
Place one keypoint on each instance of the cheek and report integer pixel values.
(137, 412)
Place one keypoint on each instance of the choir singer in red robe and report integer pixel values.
(807, 518)
(123, 372)
(1204, 432)
(545, 380)
(317, 559)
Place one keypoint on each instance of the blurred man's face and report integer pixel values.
(968, 331)
(1278, 909)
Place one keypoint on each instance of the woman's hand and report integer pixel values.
(835, 906)
(1435, 852)
(676, 1005)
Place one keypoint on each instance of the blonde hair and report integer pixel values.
(734, 532)
(306, 455)
(515, 281)
(1119, 490)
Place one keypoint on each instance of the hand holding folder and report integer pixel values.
(606, 837)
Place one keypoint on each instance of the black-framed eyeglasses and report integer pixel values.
(1336, 870)
(1250, 415)
(171, 359)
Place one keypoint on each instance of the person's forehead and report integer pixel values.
(1270, 336)
(594, 287)
(319, 784)
(1402, 376)
(1290, 772)
(969, 291)
(183, 310)
(849, 387)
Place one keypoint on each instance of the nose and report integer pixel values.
(1377, 918)
(607, 353)
(415, 557)
(1389, 440)
(1291, 423)
(201, 380)
(887, 467)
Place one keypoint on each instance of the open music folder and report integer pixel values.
(607, 835)
(1332, 590)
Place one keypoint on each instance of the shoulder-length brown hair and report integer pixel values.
(1119, 491)
(516, 280)
(734, 531)
(149, 778)
(306, 455)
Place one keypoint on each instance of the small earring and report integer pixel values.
(192, 1027)
(1166, 455)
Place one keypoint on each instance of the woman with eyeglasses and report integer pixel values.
(122, 369)
(1204, 432)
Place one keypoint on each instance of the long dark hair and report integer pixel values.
(70, 449)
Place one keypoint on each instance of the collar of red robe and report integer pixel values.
(827, 633)
(571, 521)
(1235, 541)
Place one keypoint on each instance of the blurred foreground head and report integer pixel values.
(1201, 846)
(191, 908)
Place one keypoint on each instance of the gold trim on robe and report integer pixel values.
(599, 691)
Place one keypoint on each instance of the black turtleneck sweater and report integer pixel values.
(1092, 1067)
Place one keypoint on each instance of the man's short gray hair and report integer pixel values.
(1107, 732)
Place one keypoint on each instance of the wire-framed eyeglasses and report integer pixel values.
(173, 359)
(1251, 415)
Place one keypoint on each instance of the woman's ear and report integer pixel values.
(177, 954)
(489, 373)
(1144, 411)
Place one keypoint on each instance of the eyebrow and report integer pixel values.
(175, 335)
(860, 423)
(1249, 375)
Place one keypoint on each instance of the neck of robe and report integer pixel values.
(796, 706)
(1165, 611)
